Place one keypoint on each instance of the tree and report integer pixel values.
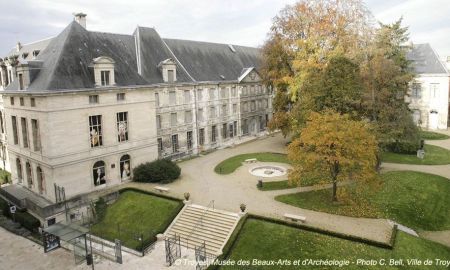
(387, 75)
(302, 40)
(335, 148)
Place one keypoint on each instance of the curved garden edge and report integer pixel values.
(404, 196)
(434, 155)
(229, 165)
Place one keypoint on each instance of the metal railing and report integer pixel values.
(200, 221)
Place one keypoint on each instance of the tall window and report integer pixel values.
(170, 76)
(158, 121)
(235, 128)
(19, 170)
(188, 117)
(233, 91)
(201, 136)
(95, 130)
(245, 127)
(234, 108)
(224, 131)
(224, 110)
(14, 128)
(187, 96)
(213, 134)
(212, 112)
(160, 145)
(157, 99)
(2, 123)
(224, 92)
(40, 180)
(231, 130)
(98, 172)
(253, 105)
(173, 120)
(200, 115)
(105, 77)
(29, 175)
(189, 140)
(175, 143)
(125, 167)
(212, 94)
(434, 89)
(122, 126)
(172, 98)
(199, 94)
(35, 134)
(21, 85)
(32, 102)
(416, 90)
(22, 101)
(11, 100)
(23, 123)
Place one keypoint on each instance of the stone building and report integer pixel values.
(429, 95)
(83, 108)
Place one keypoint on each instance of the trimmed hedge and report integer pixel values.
(161, 170)
(24, 218)
(403, 147)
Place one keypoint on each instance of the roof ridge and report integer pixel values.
(210, 42)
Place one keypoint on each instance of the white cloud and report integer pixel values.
(232, 21)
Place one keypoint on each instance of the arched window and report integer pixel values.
(19, 170)
(40, 180)
(99, 173)
(125, 167)
(29, 175)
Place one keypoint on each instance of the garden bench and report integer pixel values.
(250, 160)
(162, 189)
(295, 217)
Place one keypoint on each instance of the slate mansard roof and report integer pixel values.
(64, 61)
(425, 60)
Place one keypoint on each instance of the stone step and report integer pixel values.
(208, 219)
(212, 215)
(187, 237)
(199, 231)
(212, 230)
(219, 213)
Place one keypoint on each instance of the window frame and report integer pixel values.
(99, 130)
(122, 118)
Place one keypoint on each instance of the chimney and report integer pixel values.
(18, 46)
(81, 19)
(447, 63)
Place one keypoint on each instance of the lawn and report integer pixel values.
(434, 155)
(429, 135)
(270, 241)
(414, 199)
(136, 213)
(231, 164)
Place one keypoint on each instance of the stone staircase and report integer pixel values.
(196, 224)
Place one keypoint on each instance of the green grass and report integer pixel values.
(136, 213)
(429, 135)
(231, 164)
(270, 241)
(414, 199)
(434, 155)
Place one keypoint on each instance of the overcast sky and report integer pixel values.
(231, 21)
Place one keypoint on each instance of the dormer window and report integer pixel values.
(168, 70)
(23, 75)
(103, 71)
(105, 77)
(36, 53)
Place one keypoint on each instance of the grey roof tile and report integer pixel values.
(425, 60)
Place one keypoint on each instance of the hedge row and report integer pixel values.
(161, 170)
(236, 233)
(24, 218)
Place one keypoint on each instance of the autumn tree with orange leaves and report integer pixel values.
(335, 148)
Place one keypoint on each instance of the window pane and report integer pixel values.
(122, 126)
(99, 173)
(95, 130)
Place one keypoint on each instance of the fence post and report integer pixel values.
(142, 244)
(118, 229)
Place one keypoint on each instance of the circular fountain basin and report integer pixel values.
(268, 171)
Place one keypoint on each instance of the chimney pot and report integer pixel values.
(18, 46)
